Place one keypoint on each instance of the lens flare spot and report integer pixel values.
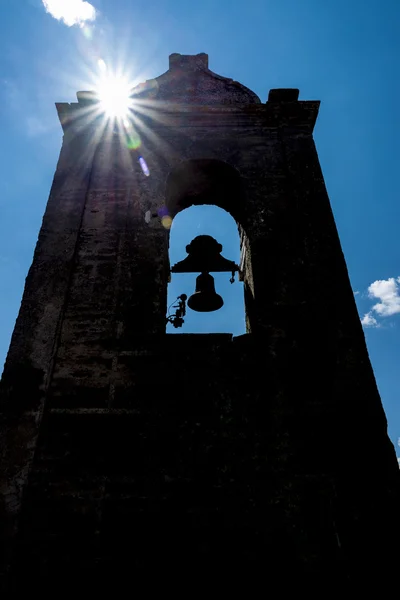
(163, 212)
(102, 65)
(144, 167)
(134, 142)
(87, 32)
(166, 222)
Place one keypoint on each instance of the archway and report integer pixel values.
(209, 220)
(198, 183)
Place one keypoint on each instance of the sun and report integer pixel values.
(114, 94)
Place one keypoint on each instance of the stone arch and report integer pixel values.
(215, 183)
(205, 181)
(218, 223)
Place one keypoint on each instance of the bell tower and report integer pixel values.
(128, 452)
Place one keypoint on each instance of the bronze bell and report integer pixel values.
(205, 298)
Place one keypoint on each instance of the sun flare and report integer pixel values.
(115, 96)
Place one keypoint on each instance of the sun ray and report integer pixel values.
(121, 105)
(148, 135)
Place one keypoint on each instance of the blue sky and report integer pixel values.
(345, 54)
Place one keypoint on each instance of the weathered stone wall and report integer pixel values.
(30, 358)
(219, 456)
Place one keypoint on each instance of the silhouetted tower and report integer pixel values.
(131, 454)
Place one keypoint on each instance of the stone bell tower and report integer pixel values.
(131, 455)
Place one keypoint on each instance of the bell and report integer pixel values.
(205, 298)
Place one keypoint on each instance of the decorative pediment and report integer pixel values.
(190, 81)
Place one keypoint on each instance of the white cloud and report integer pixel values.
(398, 460)
(369, 321)
(387, 291)
(71, 12)
(356, 293)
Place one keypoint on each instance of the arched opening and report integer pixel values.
(207, 220)
(204, 198)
